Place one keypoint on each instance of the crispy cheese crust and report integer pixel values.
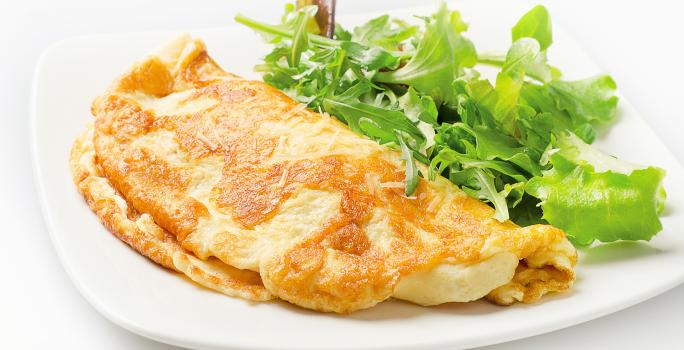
(144, 235)
(236, 173)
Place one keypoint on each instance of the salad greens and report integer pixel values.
(595, 196)
(521, 143)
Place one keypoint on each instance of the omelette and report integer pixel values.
(247, 192)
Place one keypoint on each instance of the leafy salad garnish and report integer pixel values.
(521, 144)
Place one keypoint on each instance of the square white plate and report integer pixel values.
(146, 299)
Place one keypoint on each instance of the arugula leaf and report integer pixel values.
(388, 122)
(493, 145)
(429, 134)
(487, 190)
(593, 196)
(490, 144)
(479, 178)
(371, 29)
(379, 32)
(341, 33)
(418, 107)
(371, 58)
(440, 57)
(411, 169)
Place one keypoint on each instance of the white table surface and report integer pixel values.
(639, 43)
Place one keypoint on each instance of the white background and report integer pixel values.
(639, 42)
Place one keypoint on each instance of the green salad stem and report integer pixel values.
(281, 31)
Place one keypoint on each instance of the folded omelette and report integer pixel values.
(247, 192)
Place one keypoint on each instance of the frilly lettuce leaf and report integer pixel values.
(511, 79)
(590, 100)
(577, 106)
(522, 58)
(593, 196)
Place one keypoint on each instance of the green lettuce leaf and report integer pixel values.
(536, 25)
(523, 56)
(590, 100)
(593, 196)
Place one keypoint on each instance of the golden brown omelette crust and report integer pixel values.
(221, 116)
(141, 233)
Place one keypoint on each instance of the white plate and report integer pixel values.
(146, 299)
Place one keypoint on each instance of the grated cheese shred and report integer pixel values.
(392, 184)
(300, 107)
(212, 146)
(283, 177)
(332, 141)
